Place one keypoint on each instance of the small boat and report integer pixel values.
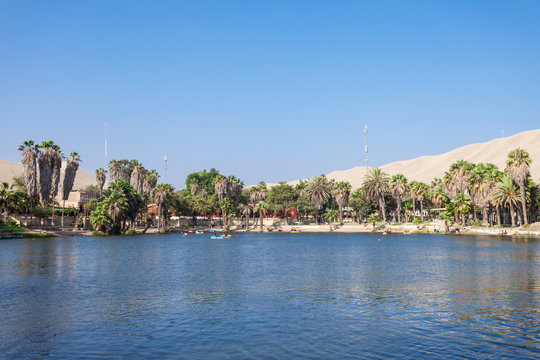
(223, 236)
(199, 232)
(184, 234)
(407, 233)
(296, 231)
(387, 232)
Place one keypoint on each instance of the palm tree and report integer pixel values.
(463, 206)
(193, 187)
(374, 219)
(46, 158)
(398, 187)
(29, 155)
(69, 178)
(56, 168)
(331, 214)
(318, 191)
(137, 177)
(506, 194)
(420, 191)
(101, 177)
(342, 191)
(261, 208)
(114, 171)
(376, 185)
(5, 195)
(161, 191)
(246, 211)
(517, 166)
(150, 181)
(220, 187)
(99, 218)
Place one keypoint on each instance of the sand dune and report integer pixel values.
(426, 168)
(10, 169)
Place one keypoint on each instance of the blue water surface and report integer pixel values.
(270, 296)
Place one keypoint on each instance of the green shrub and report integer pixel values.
(131, 232)
(97, 233)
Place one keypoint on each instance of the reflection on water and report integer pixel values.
(280, 296)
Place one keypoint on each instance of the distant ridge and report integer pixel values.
(9, 169)
(426, 168)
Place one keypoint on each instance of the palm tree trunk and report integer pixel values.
(399, 209)
(413, 208)
(473, 207)
(330, 220)
(498, 211)
(421, 210)
(381, 204)
(63, 207)
(512, 215)
(463, 219)
(261, 215)
(341, 215)
(523, 202)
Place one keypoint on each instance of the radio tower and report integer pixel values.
(366, 148)
(165, 158)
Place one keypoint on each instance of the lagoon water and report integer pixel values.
(270, 296)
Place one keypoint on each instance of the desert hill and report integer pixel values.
(9, 169)
(426, 168)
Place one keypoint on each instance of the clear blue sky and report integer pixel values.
(266, 90)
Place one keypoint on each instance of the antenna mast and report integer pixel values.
(165, 158)
(366, 148)
(106, 164)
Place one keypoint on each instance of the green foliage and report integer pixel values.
(361, 206)
(417, 221)
(204, 179)
(131, 232)
(282, 197)
(98, 233)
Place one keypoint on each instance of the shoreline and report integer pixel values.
(409, 228)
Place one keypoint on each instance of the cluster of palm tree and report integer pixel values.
(42, 164)
(466, 190)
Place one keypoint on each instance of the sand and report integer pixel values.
(426, 168)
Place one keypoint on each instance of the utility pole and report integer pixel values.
(165, 158)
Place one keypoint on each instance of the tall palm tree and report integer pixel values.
(101, 177)
(318, 191)
(376, 185)
(398, 187)
(261, 208)
(161, 191)
(29, 156)
(137, 177)
(114, 171)
(246, 211)
(517, 166)
(46, 158)
(150, 181)
(463, 206)
(220, 188)
(506, 194)
(193, 188)
(342, 190)
(56, 168)
(69, 178)
(420, 191)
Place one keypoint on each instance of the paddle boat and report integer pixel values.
(386, 232)
(296, 231)
(199, 232)
(222, 236)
